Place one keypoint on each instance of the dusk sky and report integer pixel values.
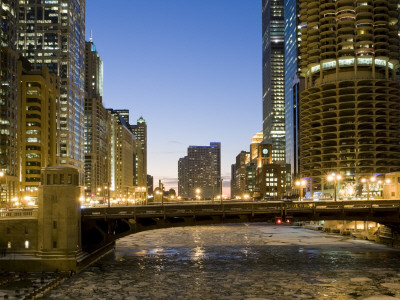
(192, 69)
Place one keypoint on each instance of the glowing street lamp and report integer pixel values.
(301, 184)
(198, 193)
(368, 182)
(335, 178)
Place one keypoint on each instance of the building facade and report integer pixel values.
(140, 131)
(273, 60)
(97, 126)
(38, 94)
(349, 116)
(52, 34)
(183, 177)
(8, 101)
(203, 172)
(293, 84)
(123, 147)
(242, 161)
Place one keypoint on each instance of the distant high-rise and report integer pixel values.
(52, 34)
(123, 147)
(203, 171)
(349, 110)
(242, 160)
(183, 177)
(93, 71)
(97, 125)
(140, 131)
(273, 77)
(8, 101)
(233, 181)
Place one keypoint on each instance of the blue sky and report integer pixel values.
(192, 69)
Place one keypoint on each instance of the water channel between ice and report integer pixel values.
(239, 261)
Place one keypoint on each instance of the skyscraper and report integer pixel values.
(293, 84)
(97, 124)
(349, 110)
(8, 101)
(273, 77)
(123, 147)
(201, 169)
(140, 131)
(52, 34)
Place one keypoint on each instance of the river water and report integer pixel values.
(239, 261)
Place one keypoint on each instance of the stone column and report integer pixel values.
(59, 215)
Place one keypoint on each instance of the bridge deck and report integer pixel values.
(238, 208)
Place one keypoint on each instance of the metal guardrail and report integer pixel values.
(226, 208)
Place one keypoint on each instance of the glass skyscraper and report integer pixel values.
(8, 101)
(274, 77)
(52, 33)
(292, 85)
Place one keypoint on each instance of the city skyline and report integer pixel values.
(187, 62)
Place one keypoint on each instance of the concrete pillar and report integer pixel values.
(59, 215)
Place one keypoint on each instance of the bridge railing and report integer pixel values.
(238, 208)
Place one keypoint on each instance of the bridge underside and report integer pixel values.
(103, 231)
(97, 233)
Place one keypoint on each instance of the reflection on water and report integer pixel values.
(240, 261)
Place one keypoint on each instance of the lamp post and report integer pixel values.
(335, 178)
(368, 182)
(198, 193)
(301, 184)
(108, 194)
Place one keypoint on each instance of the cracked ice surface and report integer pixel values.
(239, 261)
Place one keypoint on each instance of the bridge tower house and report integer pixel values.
(59, 216)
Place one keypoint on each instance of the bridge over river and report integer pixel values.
(103, 225)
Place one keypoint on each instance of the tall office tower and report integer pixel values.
(140, 131)
(233, 181)
(97, 125)
(242, 160)
(273, 77)
(52, 34)
(183, 177)
(293, 84)
(123, 147)
(38, 93)
(203, 171)
(8, 101)
(349, 110)
(93, 71)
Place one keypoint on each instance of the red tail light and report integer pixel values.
(278, 221)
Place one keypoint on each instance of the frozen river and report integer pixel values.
(241, 261)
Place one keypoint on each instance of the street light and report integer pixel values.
(335, 178)
(198, 193)
(367, 182)
(301, 184)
